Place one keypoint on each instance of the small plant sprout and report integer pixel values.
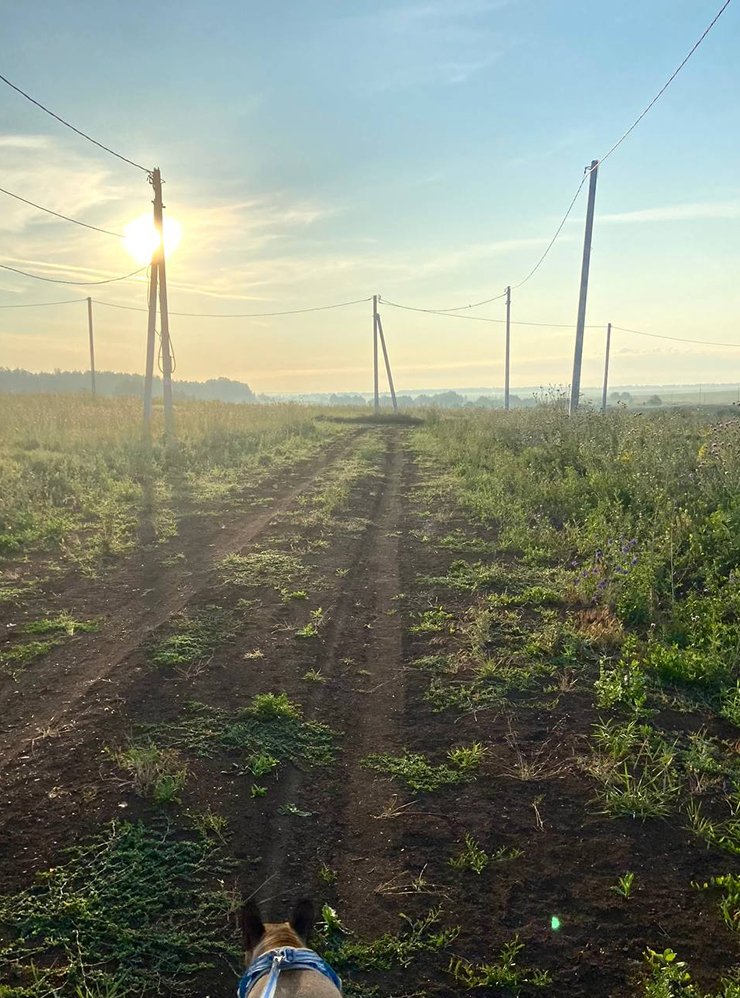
(257, 791)
(314, 676)
(624, 886)
(470, 857)
(467, 757)
(262, 764)
(326, 874)
(309, 631)
(331, 921)
(294, 810)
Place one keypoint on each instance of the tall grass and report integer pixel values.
(641, 512)
(76, 478)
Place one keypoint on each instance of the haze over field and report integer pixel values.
(422, 150)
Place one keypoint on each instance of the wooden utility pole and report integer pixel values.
(387, 363)
(164, 316)
(575, 387)
(92, 346)
(606, 365)
(375, 355)
(508, 348)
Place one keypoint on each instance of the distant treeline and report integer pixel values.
(441, 400)
(224, 390)
(115, 383)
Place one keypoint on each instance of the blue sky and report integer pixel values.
(424, 150)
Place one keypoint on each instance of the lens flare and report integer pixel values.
(141, 238)
(555, 923)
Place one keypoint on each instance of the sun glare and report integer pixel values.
(141, 238)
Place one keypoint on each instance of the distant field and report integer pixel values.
(471, 681)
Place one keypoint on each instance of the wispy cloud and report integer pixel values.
(696, 212)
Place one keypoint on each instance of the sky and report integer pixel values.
(422, 150)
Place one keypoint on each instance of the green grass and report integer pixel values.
(152, 771)
(194, 638)
(134, 910)
(62, 623)
(505, 973)
(470, 857)
(16, 659)
(418, 774)
(418, 938)
(76, 481)
(265, 568)
(271, 728)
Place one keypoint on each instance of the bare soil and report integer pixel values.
(57, 786)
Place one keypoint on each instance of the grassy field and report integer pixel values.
(472, 683)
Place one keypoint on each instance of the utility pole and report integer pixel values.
(606, 365)
(375, 354)
(387, 363)
(575, 387)
(508, 348)
(150, 337)
(169, 419)
(92, 346)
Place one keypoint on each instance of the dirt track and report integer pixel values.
(65, 710)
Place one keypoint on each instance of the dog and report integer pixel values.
(278, 961)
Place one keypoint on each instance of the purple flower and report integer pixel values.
(634, 561)
(574, 564)
(595, 571)
(598, 555)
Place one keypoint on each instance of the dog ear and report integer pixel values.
(251, 923)
(302, 919)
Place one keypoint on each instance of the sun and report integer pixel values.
(141, 239)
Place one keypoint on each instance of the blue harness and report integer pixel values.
(286, 958)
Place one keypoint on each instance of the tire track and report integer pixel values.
(366, 707)
(48, 694)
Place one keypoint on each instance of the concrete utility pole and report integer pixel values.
(575, 387)
(375, 354)
(606, 365)
(92, 346)
(508, 348)
(387, 363)
(150, 337)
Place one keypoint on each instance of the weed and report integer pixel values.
(294, 810)
(130, 911)
(435, 621)
(194, 638)
(153, 772)
(209, 823)
(309, 631)
(273, 726)
(668, 977)
(624, 885)
(466, 757)
(326, 874)
(503, 974)
(418, 774)
(16, 659)
(314, 676)
(63, 623)
(261, 764)
(263, 568)
(470, 857)
(391, 949)
(257, 791)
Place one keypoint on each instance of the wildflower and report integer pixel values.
(599, 555)
(574, 564)
(634, 561)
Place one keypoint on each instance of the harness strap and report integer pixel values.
(286, 958)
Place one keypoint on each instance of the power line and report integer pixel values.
(678, 339)
(77, 130)
(66, 218)
(58, 280)
(668, 82)
(239, 315)
(559, 229)
(480, 318)
(41, 304)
